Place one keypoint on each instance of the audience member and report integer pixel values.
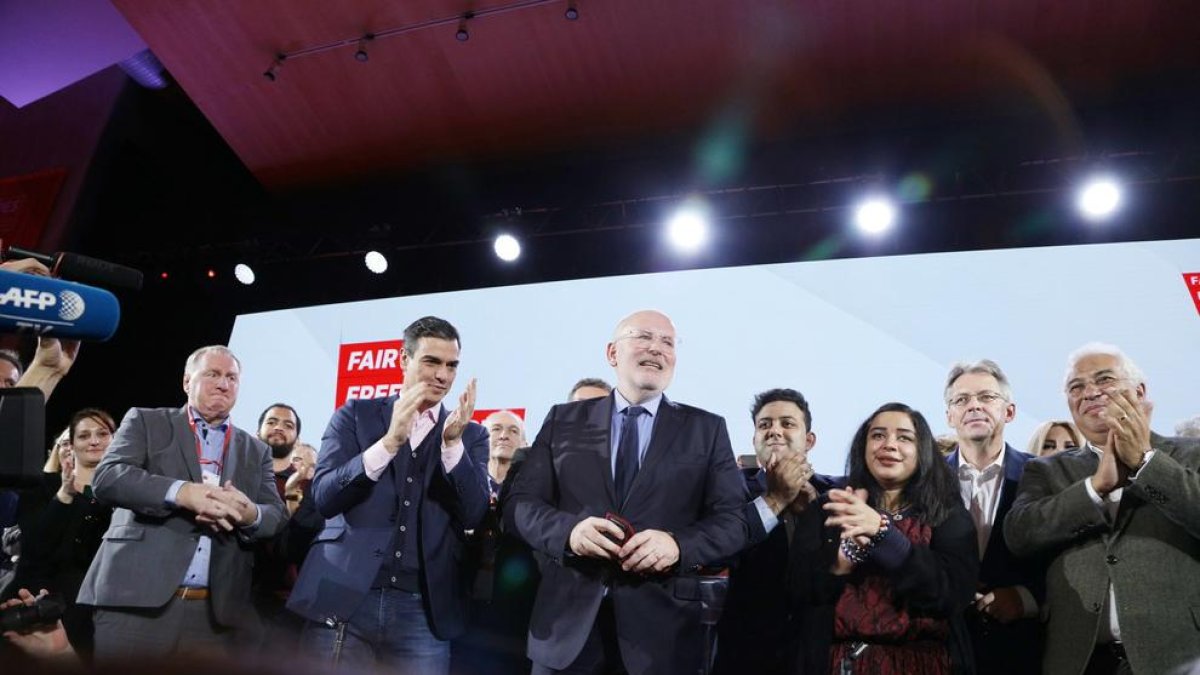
(190, 489)
(613, 595)
(10, 368)
(880, 584)
(1189, 428)
(756, 633)
(1005, 633)
(506, 433)
(589, 387)
(400, 479)
(58, 550)
(1053, 437)
(279, 428)
(1120, 520)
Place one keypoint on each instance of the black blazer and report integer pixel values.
(1015, 647)
(937, 580)
(688, 485)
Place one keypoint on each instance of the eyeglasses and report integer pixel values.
(984, 398)
(646, 338)
(1103, 382)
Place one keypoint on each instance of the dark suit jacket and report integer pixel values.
(1015, 647)
(150, 544)
(757, 632)
(688, 485)
(1150, 555)
(936, 580)
(346, 556)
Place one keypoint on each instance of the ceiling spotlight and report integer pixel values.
(361, 55)
(212, 274)
(243, 273)
(376, 262)
(572, 12)
(1098, 198)
(272, 73)
(688, 227)
(507, 247)
(461, 34)
(875, 215)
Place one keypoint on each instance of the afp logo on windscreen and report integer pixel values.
(70, 304)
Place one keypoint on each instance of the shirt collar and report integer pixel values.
(651, 405)
(202, 424)
(967, 471)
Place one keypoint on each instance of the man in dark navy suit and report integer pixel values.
(1005, 633)
(614, 597)
(756, 633)
(399, 480)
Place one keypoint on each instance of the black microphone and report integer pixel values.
(83, 268)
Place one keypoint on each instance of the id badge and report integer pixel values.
(210, 478)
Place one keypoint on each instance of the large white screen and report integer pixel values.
(849, 334)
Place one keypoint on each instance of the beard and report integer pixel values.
(280, 451)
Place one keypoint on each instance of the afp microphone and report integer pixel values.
(55, 308)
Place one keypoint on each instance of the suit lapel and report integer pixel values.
(187, 444)
(667, 424)
(599, 416)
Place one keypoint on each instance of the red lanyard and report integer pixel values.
(200, 450)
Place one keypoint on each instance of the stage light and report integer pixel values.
(272, 73)
(507, 247)
(376, 262)
(875, 215)
(164, 276)
(243, 273)
(1098, 198)
(361, 54)
(461, 34)
(212, 274)
(572, 12)
(687, 229)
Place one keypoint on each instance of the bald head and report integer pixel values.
(506, 433)
(642, 353)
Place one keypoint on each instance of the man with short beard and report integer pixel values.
(279, 427)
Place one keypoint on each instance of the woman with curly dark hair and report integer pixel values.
(884, 570)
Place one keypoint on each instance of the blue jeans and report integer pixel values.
(389, 629)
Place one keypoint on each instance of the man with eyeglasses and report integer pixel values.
(627, 496)
(1005, 634)
(191, 491)
(1120, 519)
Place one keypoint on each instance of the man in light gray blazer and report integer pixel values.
(1119, 518)
(191, 491)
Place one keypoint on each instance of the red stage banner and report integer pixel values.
(481, 415)
(368, 370)
(25, 206)
(1192, 279)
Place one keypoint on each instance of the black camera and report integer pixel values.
(23, 618)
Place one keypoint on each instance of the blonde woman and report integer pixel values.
(1054, 437)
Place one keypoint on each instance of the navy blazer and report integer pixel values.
(688, 485)
(1015, 647)
(346, 556)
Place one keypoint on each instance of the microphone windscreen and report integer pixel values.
(56, 308)
(100, 272)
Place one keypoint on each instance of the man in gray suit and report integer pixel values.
(1119, 519)
(191, 491)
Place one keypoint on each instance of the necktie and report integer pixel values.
(978, 515)
(627, 452)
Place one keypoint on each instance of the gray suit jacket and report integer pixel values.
(150, 544)
(1151, 555)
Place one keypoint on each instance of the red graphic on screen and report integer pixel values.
(1192, 279)
(369, 370)
(481, 415)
